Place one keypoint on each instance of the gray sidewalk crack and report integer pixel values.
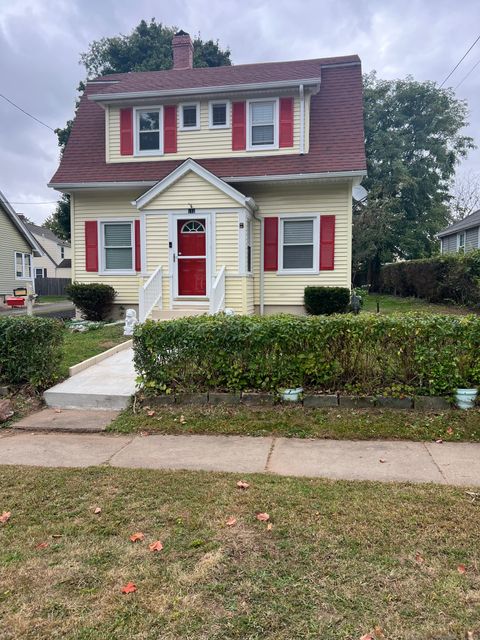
(439, 468)
(110, 458)
(269, 455)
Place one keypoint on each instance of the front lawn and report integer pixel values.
(80, 346)
(396, 304)
(350, 424)
(341, 559)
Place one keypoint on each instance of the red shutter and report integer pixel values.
(91, 246)
(126, 132)
(138, 252)
(170, 129)
(270, 237)
(286, 122)
(327, 243)
(239, 127)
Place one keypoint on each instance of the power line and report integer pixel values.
(26, 112)
(460, 61)
(466, 75)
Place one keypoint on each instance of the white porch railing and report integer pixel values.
(217, 295)
(150, 295)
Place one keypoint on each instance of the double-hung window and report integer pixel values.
(219, 115)
(23, 266)
(149, 131)
(190, 116)
(461, 242)
(298, 245)
(117, 241)
(263, 129)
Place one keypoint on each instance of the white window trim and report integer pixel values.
(23, 276)
(189, 104)
(316, 245)
(43, 270)
(136, 131)
(276, 124)
(103, 271)
(227, 124)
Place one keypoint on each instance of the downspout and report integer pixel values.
(262, 273)
(302, 120)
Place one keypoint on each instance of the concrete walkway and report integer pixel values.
(448, 463)
(109, 384)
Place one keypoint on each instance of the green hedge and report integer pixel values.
(94, 299)
(408, 353)
(326, 300)
(447, 278)
(30, 350)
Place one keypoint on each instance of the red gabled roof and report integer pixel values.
(336, 123)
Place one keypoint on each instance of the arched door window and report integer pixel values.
(193, 226)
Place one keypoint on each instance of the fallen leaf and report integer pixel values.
(449, 431)
(5, 517)
(367, 636)
(182, 420)
(97, 510)
(130, 587)
(263, 517)
(56, 535)
(41, 545)
(382, 460)
(269, 526)
(231, 522)
(462, 568)
(135, 537)
(156, 546)
(242, 485)
(470, 635)
(419, 558)
(58, 411)
(439, 441)
(150, 413)
(378, 631)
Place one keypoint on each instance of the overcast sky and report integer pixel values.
(41, 40)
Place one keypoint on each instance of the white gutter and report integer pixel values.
(227, 88)
(297, 176)
(302, 120)
(65, 186)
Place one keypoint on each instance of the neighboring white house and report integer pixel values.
(56, 261)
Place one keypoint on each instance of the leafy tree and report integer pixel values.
(413, 144)
(147, 48)
(59, 220)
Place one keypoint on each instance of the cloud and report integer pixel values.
(41, 40)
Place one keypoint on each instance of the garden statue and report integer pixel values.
(229, 312)
(130, 322)
(356, 303)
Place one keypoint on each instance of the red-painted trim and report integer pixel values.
(327, 243)
(270, 244)
(170, 128)
(91, 246)
(126, 131)
(285, 136)
(138, 244)
(239, 126)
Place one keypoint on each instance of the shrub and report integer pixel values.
(30, 350)
(447, 278)
(422, 353)
(94, 300)
(326, 300)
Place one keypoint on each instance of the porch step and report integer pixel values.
(179, 312)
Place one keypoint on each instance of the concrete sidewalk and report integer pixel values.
(386, 461)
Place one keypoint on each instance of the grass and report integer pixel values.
(80, 346)
(350, 424)
(340, 560)
(396, 304)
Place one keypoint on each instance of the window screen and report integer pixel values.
(149, 130)
(190, 116)
(19, 265)
(298, 244)
(118, 246)
(219, 114)
(262, 117)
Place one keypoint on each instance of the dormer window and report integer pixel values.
(262, 128)
(190, 116)
(219, 115)
(148, 131)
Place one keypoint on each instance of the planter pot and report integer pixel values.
(466, 398)
(291, 395)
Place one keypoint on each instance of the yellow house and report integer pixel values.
(200, 190)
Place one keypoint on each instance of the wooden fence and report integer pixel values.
(51, 286)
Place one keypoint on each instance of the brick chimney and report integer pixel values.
(182, 51)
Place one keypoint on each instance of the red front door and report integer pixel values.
(192, 257)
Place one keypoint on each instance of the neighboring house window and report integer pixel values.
(40, 272)
(148, 125)
(23, 266)
(219, 115)
(62, 252)
(249, 246)
(297, 244)
(461, 242)
(263, 130)
(117, 246)
(190, 118)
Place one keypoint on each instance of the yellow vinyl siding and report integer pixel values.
(157, 251)
(226, 254)
(11, 240)
(201, 143)
(103, 205)
(192, 190)
(332, 199)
